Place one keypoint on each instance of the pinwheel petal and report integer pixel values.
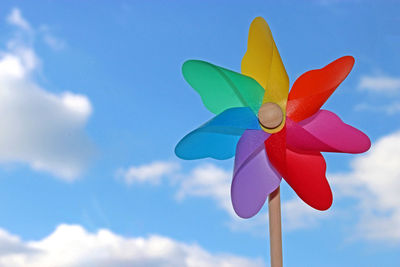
(254, 177)
(218, 137)
(299, 139)
(327, 127)
(263, 63)
(306, 175)
(221, 88)
(275, 146)
(304, 172)
(311, 90)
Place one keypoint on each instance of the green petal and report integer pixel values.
(221, 88)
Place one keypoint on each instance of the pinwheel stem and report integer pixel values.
(275, 232)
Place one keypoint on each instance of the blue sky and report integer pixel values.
(93, 103)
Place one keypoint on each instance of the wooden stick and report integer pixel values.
(275, 232)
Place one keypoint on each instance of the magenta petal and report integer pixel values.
(298, 138)
(254, 178)
(333, 133)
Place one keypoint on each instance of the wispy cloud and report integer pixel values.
(386, 87)
(49, 39)
(380, 84)
(148, 173)
(53, 42)
(15, 18)
(298, 215)
(389, 109)
(209, 181)
(72, 245)
(42, 129)
(205, 180)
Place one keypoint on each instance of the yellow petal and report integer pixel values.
(263, 63)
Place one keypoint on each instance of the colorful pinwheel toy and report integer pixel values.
(272, 133)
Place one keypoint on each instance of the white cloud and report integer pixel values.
(53, 42)
(40, 128)
(298, 215)
(72, 245)
(390, 108)
(49, 39)
(375, 183)
(151, 173)
(17, 62)
(203, 181)
(10, 244)
(15, 18)
(382, 84)
(79, 104)
(208, 180)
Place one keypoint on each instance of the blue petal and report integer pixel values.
(218, 137)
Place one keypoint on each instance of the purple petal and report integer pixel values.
(254, 178)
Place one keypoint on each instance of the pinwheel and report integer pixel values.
(272, 133)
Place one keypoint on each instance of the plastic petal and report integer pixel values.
(263, 63)
(306, 175)
(254, 177)
(329, 129)
(275, 146)
(299, 139)
(218, 137)
(311, 90)
(221, 88)
(304, 172)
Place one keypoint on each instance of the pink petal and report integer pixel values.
(326, 132)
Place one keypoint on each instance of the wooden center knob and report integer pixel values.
(270, 115)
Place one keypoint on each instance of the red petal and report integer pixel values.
(311, 90)
(275, 146)
(306, 175)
